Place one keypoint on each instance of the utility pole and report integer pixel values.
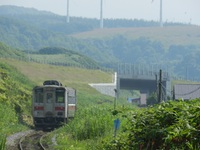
(160, 87)
(101, 14)
(67, 19)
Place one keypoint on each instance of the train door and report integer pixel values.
(60, 103)
(49, 103)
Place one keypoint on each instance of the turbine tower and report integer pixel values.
(67, 19)
(101, 14)
(161, 22)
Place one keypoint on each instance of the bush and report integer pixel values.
(170, 125)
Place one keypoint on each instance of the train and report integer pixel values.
(53, 104)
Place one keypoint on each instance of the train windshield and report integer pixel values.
(60, 96)
(39, 95)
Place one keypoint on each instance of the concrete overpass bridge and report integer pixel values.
(135, 77)
(141, 78)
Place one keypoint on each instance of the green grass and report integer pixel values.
(90, 127)
(2, 142)
(73, 60)
(69, 76)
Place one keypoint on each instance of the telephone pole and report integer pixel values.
(160, 87)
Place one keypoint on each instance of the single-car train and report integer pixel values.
(52, 104)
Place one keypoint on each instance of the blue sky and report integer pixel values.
(184, 11)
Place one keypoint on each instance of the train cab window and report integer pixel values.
(39, 97)
(60, 97)
(49, 97)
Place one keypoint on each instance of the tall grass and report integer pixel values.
(2, 142)
(88, 125)
(91, 126)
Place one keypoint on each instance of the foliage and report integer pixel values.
(152, 99)
(61, 56)
(6, 51)
(15, 99)
(170, 125)
(52, 50)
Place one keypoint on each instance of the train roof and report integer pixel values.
(52, 82)
(55, 83)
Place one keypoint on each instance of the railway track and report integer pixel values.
(32, 141)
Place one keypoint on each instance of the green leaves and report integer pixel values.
(170, 125)
(15, 99)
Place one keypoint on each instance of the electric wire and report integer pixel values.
(183, 94)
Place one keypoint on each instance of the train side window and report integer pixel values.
(71, 100)
(39, 97)
(60, 97)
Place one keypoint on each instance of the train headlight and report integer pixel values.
(39, 108)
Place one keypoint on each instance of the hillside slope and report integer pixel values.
(170, 35)
(6, 51)
(74, 77)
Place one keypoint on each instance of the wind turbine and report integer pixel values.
(101, 14)
(67, 19)
(161, 22)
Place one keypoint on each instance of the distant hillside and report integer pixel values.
(52, 22)
(63, 57)
(50, 55)
(170, 35)
(121, 41)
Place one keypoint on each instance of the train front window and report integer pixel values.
(39, 97)
(60, 97)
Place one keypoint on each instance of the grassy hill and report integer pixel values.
(170, 35)
(6, 51)
(74, 77)
(63, 57)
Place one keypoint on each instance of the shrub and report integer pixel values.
(170, 125)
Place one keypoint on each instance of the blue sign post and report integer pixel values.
(116, 126)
